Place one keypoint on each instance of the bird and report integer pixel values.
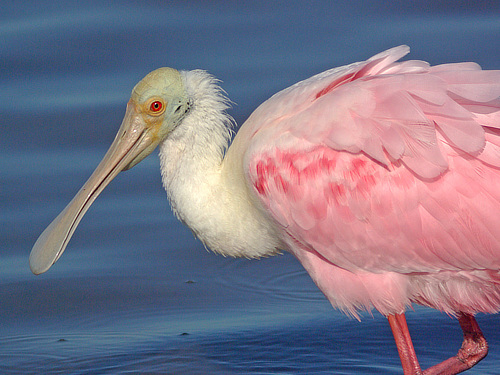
(381, 177)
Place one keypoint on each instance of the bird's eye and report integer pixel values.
(156, 106)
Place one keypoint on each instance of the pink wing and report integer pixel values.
(384, 166)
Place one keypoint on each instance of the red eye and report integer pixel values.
(156, 106)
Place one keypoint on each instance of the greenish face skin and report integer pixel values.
(160, 102)
(157, 105)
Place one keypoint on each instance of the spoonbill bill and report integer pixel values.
(381, 177)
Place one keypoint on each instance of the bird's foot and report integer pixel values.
(474, 348)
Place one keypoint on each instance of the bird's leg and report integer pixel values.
(474, 348)
(404, 344)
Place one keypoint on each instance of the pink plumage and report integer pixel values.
(385, 178)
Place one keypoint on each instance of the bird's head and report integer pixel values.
(157, 105)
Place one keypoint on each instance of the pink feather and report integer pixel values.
(385, 178)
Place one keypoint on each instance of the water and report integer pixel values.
(135, 292)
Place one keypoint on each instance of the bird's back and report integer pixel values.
(383, 170)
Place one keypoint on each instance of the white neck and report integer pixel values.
(208, 195)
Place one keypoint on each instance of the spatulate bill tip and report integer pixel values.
(38, 265)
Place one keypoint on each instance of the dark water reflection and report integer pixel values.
(134, 292)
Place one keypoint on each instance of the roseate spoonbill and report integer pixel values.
(381, 177)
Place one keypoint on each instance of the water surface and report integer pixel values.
(135, 292)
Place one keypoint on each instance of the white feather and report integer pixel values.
(221, 214)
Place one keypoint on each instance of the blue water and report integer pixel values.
(134, 292)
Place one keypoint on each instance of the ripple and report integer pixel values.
(280, 277)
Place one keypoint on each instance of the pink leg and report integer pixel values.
(474, 348)
(404, 344)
